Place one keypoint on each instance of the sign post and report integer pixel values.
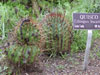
(88, 21)
(87, 51)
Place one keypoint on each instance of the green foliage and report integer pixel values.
(93, 6)
(10, 16)
(79, 40)
(96, 34)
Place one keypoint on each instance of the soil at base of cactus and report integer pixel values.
(71, 65)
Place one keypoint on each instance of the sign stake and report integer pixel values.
(87, 51)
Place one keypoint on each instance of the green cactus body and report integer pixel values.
(58, 33)
(25, 49)
(22, 54)
(28, 34)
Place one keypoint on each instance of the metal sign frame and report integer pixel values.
(87, 21)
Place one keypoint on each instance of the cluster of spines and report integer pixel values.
(60, 20)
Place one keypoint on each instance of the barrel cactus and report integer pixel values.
(58, 33)
(25, 54)
(26, 47)
(28, 33)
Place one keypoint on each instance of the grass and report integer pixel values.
(3, 12)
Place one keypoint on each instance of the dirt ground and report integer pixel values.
(70, 65)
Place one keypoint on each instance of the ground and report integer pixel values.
(72, 64)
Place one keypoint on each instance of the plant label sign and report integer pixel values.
(88, 21)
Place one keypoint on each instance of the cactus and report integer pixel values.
(58, 33)
(27, 39)
(25, 54)
(28, 33)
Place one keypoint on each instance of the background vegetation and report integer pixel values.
(11, 11)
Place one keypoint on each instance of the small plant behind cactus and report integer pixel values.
(58, 33)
